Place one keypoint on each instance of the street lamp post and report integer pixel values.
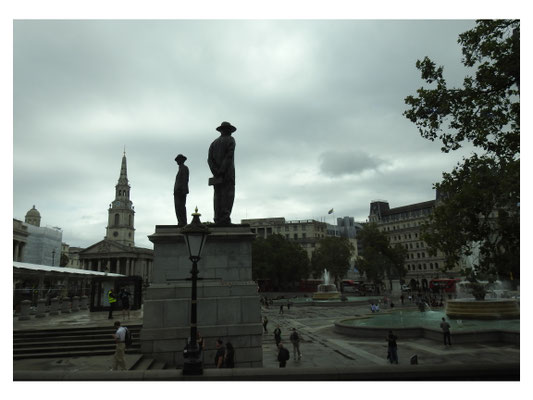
(195, 235)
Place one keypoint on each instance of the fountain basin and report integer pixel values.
(416, 324)
(483, 309)
(326, 292)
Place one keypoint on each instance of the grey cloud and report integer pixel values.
(340, 163)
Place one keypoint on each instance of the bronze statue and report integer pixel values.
(221, 163)
(181, 188)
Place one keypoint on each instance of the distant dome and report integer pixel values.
(33, 217)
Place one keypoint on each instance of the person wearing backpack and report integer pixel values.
(120, 347)
(295, 340)
(283, 355)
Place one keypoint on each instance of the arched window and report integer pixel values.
(117, 219)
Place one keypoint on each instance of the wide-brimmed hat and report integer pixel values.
(180, 156)
(226, 127)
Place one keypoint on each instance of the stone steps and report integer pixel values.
(69, 342)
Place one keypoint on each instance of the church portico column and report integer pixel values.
(99, 265)
(16, 250)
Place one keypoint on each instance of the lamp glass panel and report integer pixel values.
(195, 243)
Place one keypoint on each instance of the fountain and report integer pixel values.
(493, 308)
(326, 290)
(471, 320)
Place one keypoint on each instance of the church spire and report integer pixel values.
(120, 225)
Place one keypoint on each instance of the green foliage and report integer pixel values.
(379, 259)
(278, 259)
(333, 254)
(63, 262)
(481, 196)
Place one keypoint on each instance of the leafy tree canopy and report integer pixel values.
(333, 254)
(278, 259)
(479, 207)
(379, 259)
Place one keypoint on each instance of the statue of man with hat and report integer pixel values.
(181, 188)
(221, 163)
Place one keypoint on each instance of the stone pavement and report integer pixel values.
(320, 347)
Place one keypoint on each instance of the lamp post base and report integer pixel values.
(192, 363)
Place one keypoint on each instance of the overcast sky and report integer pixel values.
(317, 105)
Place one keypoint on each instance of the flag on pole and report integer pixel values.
(330, 211)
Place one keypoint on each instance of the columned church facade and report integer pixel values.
(117, 253)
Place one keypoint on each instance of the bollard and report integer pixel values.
(41, 308)
(54, 306)
(24, 310)
(83, 303)
(65, 306)
(75, 304)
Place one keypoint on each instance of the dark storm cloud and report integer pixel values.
(339, 163)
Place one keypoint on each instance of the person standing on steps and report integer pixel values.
(120, 347)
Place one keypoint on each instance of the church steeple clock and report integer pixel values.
(120, 227)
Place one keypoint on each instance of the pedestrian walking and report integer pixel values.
(288, 305)
(283, 355)
(124, 297)
(277, 335)
(112, 298)
(445, 326)
(265, 323)
(120, 347)
(219, 356)
(229, 356)
(392, 348)
(295, 340)
(401, 299)
(281, 309)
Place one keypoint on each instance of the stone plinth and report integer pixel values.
(41, 308)
(228, 302)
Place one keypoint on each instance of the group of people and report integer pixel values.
(124, 297)
(225, 355)
(392, 346)
(283, 352)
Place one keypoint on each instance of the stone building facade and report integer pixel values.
(20, 239)
(307, 233)
(402, 225)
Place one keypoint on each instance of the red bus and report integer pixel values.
(444, 285)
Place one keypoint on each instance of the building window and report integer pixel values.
(417, 255)
(304, 236)
(296, 236)
(430, 265)
(286, 228)
(117, 219)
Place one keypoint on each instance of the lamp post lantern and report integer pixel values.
(195, 235)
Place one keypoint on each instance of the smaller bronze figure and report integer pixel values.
(181, 188)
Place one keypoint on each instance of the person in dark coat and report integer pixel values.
(229, 356)
(392, 348)
(277, 335)
(283, 355)
(219, 356)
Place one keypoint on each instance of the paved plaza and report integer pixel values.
(321, 346)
